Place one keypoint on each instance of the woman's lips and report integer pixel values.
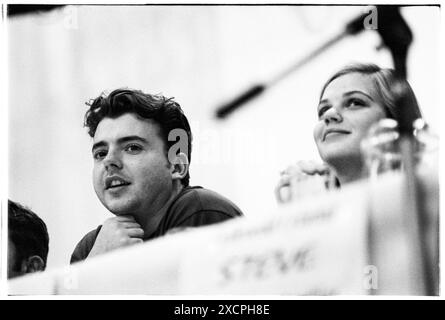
(334, 132)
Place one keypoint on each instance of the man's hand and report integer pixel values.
(117, 232)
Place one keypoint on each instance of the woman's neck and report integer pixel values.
(348, 170)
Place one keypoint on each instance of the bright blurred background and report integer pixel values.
(201, 55)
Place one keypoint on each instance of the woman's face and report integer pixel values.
(348, 107)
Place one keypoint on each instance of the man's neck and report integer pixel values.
(150, 220)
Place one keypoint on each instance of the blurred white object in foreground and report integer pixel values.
(319, 246)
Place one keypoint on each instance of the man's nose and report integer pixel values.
(332, 115)
(112, 161)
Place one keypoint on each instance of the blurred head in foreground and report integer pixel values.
(27, 241)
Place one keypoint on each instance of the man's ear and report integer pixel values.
(33, 264)
(180, 165)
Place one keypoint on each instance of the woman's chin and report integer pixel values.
(340, 156)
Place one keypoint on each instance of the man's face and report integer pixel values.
(131, 172)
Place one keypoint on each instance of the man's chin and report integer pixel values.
(118, 208)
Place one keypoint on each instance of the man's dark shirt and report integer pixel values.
(192, 207)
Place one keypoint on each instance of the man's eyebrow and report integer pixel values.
(358, 91)
(98, 145)
(119, 141)
(131, 138)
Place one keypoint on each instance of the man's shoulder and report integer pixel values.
(202, 199)
(85, 245)
(197, 206)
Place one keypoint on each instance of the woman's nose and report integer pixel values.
(332, 115)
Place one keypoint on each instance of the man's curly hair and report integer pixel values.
(164, 111)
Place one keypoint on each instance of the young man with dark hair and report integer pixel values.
(27, 241)
(141, 172)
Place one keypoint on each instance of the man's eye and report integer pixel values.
(99, 154)
(133, 148)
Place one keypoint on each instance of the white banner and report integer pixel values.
(308, 248)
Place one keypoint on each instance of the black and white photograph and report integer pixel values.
(222, 150)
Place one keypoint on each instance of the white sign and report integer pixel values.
(308, 249)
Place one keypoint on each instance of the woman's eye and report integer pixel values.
(99, 154)
(133, 148)
(322, 110)
(355, 102)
